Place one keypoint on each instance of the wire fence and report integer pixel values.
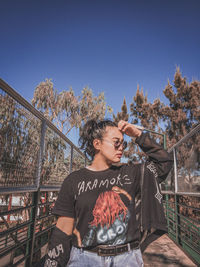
(35, 158)
(182, 195)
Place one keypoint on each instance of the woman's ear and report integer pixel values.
(96, 144)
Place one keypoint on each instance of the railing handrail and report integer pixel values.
(10, 91)
(195, 194)
(191, 133)
(34, 219)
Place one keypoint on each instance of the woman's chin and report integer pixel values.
(117, 160)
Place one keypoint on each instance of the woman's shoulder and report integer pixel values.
(74, 175)
(127, 165)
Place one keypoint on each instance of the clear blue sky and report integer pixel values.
(110, 46)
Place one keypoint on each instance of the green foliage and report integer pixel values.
(65, 109)
(175, 119)
(123, 115)
(183, 111)
(145, 113)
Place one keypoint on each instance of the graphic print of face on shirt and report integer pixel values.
(110, 222)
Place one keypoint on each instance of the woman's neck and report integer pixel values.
(99, 164)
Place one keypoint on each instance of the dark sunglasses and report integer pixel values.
(118, 143)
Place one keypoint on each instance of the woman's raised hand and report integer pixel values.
(128, 129)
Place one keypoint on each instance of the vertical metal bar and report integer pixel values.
(41, 153)
(166, 188)
(71, 160)
(177, 218)
(165, 147)
(32, 230)
(176, 197)
(167, 210)
(164, 141)
(175, 171)
(35, 200)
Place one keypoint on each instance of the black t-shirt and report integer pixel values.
(103, 205)
(106, 205)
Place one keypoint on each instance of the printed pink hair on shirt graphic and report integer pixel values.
(108, 207)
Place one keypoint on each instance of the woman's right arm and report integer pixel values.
(61, 237)
(65, 224)
(60, 243)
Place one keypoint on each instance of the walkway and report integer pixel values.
(165, 253)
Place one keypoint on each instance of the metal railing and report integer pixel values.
(182, 197)
(35, 158)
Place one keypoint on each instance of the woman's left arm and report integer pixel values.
(162, 160)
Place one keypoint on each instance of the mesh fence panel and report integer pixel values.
(30, 154)
(56, 160)
(168, 184)
(188, 165)
(19, 143)
(78, 161)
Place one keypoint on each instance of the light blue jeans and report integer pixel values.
(81, 258)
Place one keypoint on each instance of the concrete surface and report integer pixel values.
(164, 253)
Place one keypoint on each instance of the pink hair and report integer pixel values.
(108, 206)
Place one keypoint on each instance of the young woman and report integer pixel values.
(109, 212)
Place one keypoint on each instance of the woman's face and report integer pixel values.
(111, 145)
